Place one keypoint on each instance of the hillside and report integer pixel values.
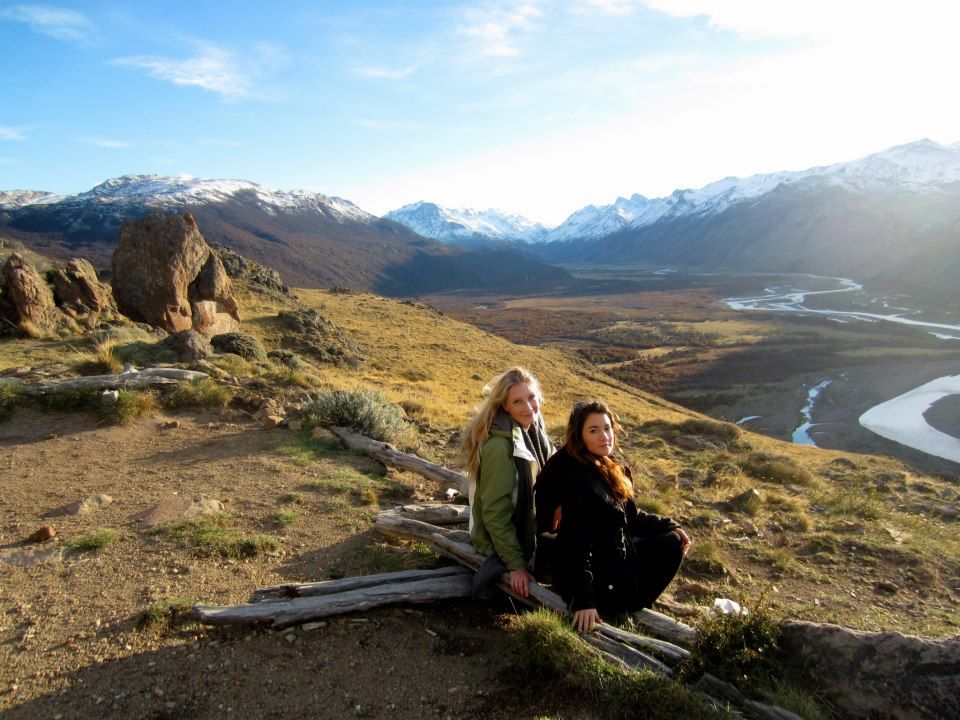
(836, 537)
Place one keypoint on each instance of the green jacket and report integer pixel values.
(502, 517)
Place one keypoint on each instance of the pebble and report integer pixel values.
(44, 533)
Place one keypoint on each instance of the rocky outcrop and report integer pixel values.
(165, 274)
(26, 297)
(879, 675)
(240, 268)
(79, 293)
(189, 345)
(310, 333)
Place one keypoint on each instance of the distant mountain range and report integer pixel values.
(891, 219)
(311, 239)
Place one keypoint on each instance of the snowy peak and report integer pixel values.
(13, 199)
(165, 193)
(457, 225)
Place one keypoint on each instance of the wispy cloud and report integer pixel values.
(56, 22)
(495, 27)
(11, 133)
(105, 143)
(388, 73)
(213, 68)
(611, 7)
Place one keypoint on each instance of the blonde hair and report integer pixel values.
(495, 394)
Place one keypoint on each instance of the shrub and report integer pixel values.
(102, 361)
(199, 393)
(775, 468)
(547, 646)
(741, 649)
(130, 405)
(173, 612)
(285, 518)
(238, 343)
(92, 541)
(367, 411)
(704, 426)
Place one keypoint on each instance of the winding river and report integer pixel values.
(900, 419)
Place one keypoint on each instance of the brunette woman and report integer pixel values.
(504, 447)
(609, 558)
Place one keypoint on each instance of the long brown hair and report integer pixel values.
(612, 471)
(495, 394)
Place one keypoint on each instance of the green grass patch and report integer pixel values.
(292, 377)
(548, 648)
(234, 365)
(92, 541)
(199, 393)
(10, 397)
(69, 400)
(172, 612)
(218, 535)
(286, 518)
(651, 505)
(853, 501)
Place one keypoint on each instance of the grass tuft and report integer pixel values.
(286, 518)
(217, 535)
(131, 405)
(92, 541)
(172, 612)
(199, 393)
(10, 396)
(548, 647)
(776, 469)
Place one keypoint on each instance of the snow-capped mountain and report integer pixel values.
(165, 193)
(310, 238)
(920, 166)
(459, 226)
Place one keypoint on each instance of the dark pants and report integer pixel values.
(655, 565)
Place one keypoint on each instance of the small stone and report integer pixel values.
(316, 433)
(43, 534)
(748, 502)
(157, 692)
(295, 425)
(430, 632)
(170, 425)
(290, 638)
(109, 397)
(311, 626)
(886, 586)
(272, 421)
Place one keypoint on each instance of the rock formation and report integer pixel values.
(165, 274)
(79, 293)
(886, 675)
(26, 297)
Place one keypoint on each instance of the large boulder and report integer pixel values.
(26, 297)
(165, 274)
(79, 293)
(879, 675)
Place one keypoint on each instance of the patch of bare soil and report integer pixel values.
(90, 635)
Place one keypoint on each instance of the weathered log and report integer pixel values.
(147, 378)
(282, 613)
(665, 628)
(389, 455)
(329, 587)
(631, 657)
(436, 514)
(751, 709)
(668, 650)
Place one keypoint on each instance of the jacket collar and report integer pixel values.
(504, 426)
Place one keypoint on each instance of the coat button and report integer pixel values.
(609, 587)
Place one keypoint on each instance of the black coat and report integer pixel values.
(594, 562)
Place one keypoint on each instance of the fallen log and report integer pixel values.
(389, 455)
(282, 613)
(132, 379)
(330, 587)
(436, 514)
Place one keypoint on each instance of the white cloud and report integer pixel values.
(611, 7)
(388, 73)
(56, 22)
(494, 27)
(103, 143)
(10, 133)
(212, 68)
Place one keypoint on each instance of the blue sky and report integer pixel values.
(536, 107)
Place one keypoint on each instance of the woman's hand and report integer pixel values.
(584, 620)
(685, 539)
(520, 582)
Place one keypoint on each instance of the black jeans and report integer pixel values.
(655, 564)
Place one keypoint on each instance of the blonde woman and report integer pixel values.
(504, 446)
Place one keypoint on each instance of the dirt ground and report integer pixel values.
(73, 641)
